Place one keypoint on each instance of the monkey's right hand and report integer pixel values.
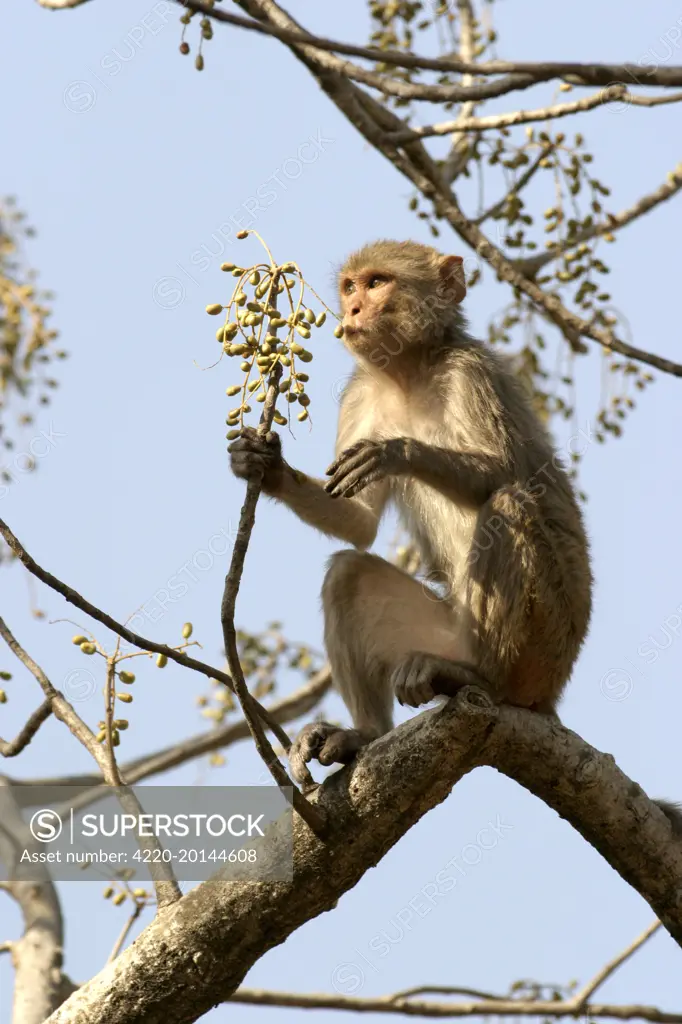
(253, 457)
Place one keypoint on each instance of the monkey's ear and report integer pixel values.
(451, 271)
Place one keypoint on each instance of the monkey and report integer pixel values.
(437, 424)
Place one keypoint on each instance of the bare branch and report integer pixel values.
(612, 94)
(298, 703)
(125, 931)
(458, 157)
(127, 634)
(10, 748)
(443, 990)
(412, 1008)
(614, 223)
(589, 74)
(516, 187)
(61, 708)
(519, 71)
(167, 888)
(580, 1000)
(306, 46)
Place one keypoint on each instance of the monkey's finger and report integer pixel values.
(250, 444)
(348, 466)
(252, 468)
(371, 478)
(358, 479)
(345, 454)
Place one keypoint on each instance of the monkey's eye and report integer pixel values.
(375, 281)
(348, 288)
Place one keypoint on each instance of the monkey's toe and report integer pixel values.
(454, 675)
(341, 747)
(323, 742)
(412, 680)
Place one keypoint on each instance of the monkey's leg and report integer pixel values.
(378, 620)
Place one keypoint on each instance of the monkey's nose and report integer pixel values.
(355, 310)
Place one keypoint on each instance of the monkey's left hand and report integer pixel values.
(364, 463)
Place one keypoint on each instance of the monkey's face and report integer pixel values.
(395, 296)
(371, 304)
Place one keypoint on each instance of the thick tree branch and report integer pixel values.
(37, 956)
(197, 951)
(272, 16)
(375, 122)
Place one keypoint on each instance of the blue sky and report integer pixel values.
(129, 163)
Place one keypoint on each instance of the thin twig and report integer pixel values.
(612, 224)
(444, 990)
(595, 74)
(431, 1009)
(579, 1000)
(516, 187)
(167, 888)
(74, 598)
(612, 94)
(10, 748)
(458, 157)
(298, 703)
(247, 519)
(61, 708)
(109, 700)
(118, 945)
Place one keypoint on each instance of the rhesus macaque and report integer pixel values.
(437, 423)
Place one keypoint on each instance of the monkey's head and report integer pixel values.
(399, 293)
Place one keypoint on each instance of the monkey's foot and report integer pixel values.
(420, 678)
(325, 743)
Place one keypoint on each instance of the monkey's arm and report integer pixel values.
(468, 478)
(354, 521)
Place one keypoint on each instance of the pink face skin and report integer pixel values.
(364, 299)
(369, 298)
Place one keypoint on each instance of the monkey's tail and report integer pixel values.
(673, 813)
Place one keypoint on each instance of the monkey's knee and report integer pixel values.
(346, 571)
